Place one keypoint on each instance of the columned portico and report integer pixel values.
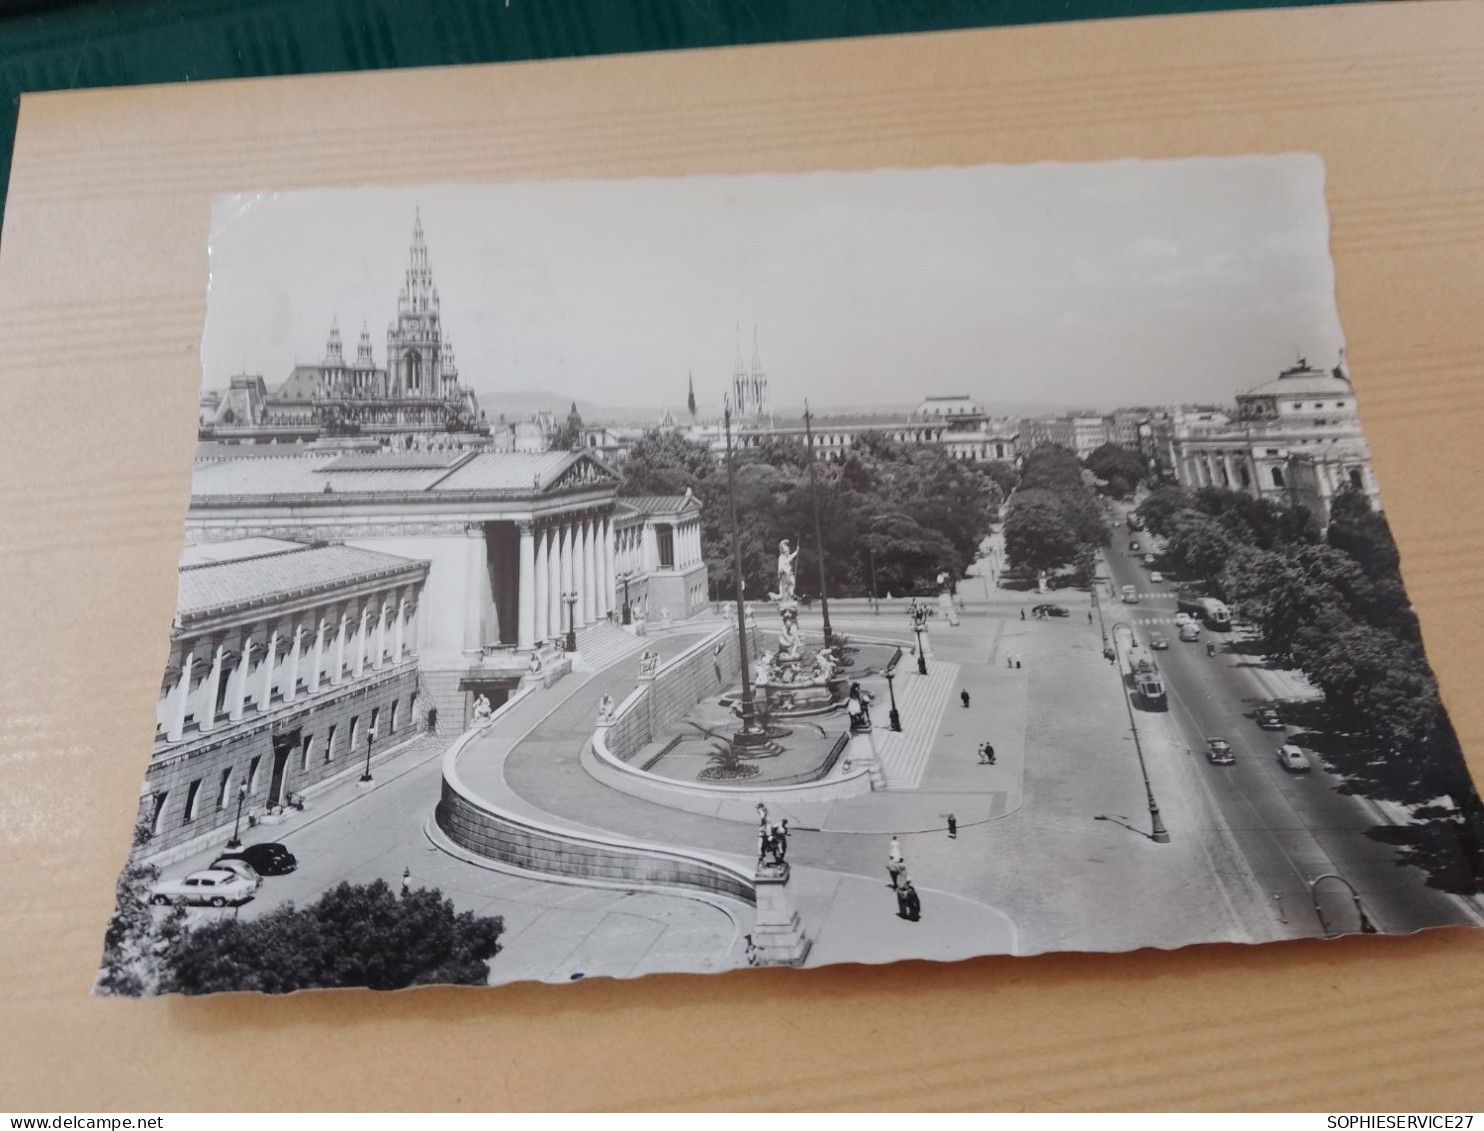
(476, 568)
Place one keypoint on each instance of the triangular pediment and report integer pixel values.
(584, 471)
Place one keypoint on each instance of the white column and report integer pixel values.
(610, 575)
(361, 641)
(475, 575)
(589, 572)
(651, 548)
(239, 680)
(399, 632)
(317, 664)
(411, 635)
(525, 625)
(542, 580)
(206, 704)
(567, 571)
(602, 591)
(554, 579)
(265, 669)
(338, 676)
(380, 660)
(182, 698)
(292, 691)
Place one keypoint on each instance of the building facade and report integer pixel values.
(284, 658)
(1295, 439)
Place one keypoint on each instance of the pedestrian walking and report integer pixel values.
(911, 904)
(1022, 614)
(988, 754)
(406, 880)
(1089, 616)
(1017, 661)
(964, 695)
(952, 827)
(895, 865)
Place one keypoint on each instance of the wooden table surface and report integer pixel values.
(102, 297)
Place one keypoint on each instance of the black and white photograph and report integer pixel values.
(602, 578)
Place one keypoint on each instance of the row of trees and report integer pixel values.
(1330, 602)
(891, 516)
(354, 935)
(1054, 519)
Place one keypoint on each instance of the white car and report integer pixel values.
(213, 886)
(238, 868)
(1293, 759)
(1182, 619)
(1156, 577)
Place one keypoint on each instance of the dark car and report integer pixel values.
(1219, 752)
(1050, 611)
(1268, 719)
(267, 859)
(1159, 641)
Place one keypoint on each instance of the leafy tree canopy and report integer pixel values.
(354, 935)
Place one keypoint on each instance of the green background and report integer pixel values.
(116, 43)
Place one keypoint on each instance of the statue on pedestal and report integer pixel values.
(606, 709)
(482, 709)
(649, 662)
(786, 558)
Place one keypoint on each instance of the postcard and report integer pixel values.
(784, 570)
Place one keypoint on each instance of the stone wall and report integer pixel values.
(478, 827)
(698, 673)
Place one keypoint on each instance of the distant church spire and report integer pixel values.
(750, 386)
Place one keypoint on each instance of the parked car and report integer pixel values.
(1148, 559)
(1219, 752)
(213, 886)
(1293, 759)
(1050, 611)
(238, 867)
(1190, 631)
(268, 858)
(1158, 641)
(1156, 577)
(1268, 719)
(1182, 619)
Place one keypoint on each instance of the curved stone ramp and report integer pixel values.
(532, 844)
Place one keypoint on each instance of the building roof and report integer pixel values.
(1301, 381)
(217, 586)
(662, 504)
(331, 473)
(206, 553)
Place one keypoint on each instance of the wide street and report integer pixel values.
(1290, 828)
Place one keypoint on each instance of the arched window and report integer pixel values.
(1278, 477)
(1357, 478)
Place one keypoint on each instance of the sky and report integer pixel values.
(1129, 282)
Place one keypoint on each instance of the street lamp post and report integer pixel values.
(896, 719)
(370, 738)
(1366, 926)
(236, 841)
(571, 600)
(824, 597)
(1157, 831)
(751, 732)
